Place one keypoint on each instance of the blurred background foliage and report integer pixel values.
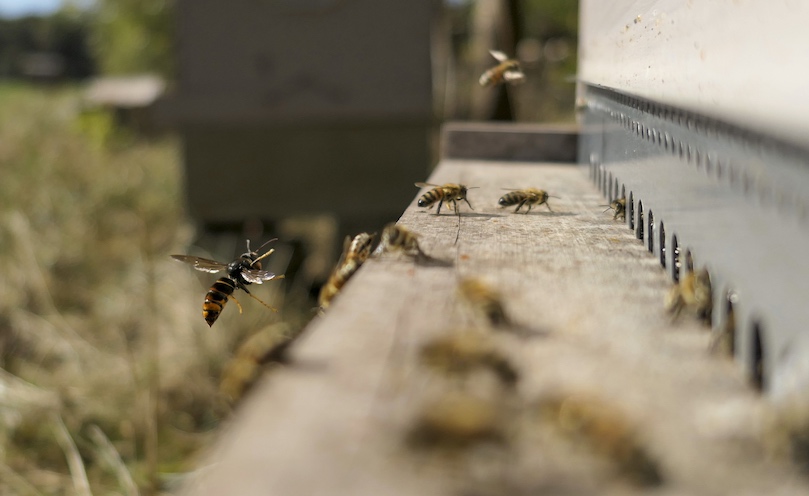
(110, 378)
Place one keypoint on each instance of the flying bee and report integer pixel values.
(241, 272)
(462, 353)
(484, 300)
(451, 193)
(529, 196)
(508, 70)
(693, 294)
(606, 430)
(355, 253)
(619, 206)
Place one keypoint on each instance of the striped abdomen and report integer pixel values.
(342, 273)
(216, 298)
(431, 197)
(512, 198)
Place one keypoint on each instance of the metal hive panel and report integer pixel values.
(736, 199)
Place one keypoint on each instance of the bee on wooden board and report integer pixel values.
(241, 272)
(508, 71)
(397, 238)
(457, 420)
(693, 294)
(461, 353)
(607, 430)
(619, 207)
(484, 300)
(355, 253)
(268, 345)
(451, 193)
(528, 196)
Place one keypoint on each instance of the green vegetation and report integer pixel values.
(101, 333)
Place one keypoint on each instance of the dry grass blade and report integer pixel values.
(74, 461)
(111, 457)
(15, 481)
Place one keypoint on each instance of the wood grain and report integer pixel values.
(335, 420)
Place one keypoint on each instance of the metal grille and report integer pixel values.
(725, 198)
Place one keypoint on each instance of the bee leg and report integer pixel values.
(519, 206)
(467, 202)
(258, 300)
(262, 256)
(441, 202)
(549, 207)
(237, 303)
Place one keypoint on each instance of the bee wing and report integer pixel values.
(514, 76)
(427, 185)
(199, 263)
(502, 57)
(485, 78)
(258, 276)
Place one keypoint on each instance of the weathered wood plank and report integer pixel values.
(335, 420)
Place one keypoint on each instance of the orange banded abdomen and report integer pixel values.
(216, 298)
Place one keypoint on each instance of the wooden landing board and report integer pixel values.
(335, 420)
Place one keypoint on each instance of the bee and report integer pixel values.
(785, 432)
(396, 237)
(528, 196)
(241, 272)
(484, 300)
(693, 294)
(508, 70)
(606, 430)
(463, 353)
(619, 206)
(355, 253)
(265, 346)
(450, 193)
(457, 420)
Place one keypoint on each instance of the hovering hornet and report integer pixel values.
(241, 272)
(508, 70)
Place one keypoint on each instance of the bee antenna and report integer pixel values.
(608, 208)
(262, 246)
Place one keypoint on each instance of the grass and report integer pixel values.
(109, 375)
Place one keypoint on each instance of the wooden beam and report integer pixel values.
(336, 419)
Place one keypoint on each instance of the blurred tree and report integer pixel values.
(133, 36)
(62, 36)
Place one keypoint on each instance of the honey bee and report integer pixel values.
(265, 346)
(484, 300)
(619, 206)
(606, 430)
(355, 253)
(508, 70)
(463, 353)
(241, 272)
(528, 196)
(693, 294)
(785, 432)
(450, 193)
(457, 420)
(396, 237)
